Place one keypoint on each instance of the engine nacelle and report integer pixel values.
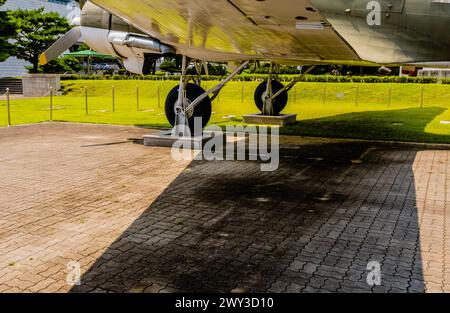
(99, 40)
(108, 34)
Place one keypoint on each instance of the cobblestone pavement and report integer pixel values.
(137, 221)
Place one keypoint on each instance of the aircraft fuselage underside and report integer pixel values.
(295, 31)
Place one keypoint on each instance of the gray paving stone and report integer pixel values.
(138, 221)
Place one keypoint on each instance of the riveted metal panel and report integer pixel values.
(262, 29)
(387, 6)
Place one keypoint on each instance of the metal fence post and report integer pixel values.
(137, 97)
(357, 95)
(51, 104)
(159, 95)
(8, 107)
(295, 95)
(113, 99)
(86, 99)
(421, 98)
(390, 96)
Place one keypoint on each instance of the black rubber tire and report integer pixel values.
(203, 109)
(280, 102)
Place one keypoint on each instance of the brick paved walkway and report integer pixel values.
(138, 222)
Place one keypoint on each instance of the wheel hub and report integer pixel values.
(267, 104)
(180, 110)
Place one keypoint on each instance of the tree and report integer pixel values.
(7, 30)
(61, 65)
(169, 66)
(37, 31)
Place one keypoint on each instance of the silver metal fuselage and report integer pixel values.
(287, 31)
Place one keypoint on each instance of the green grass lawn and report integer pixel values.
(375, 115)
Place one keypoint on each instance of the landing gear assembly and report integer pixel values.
(188, 101)
(185, 104)
(271, 97)
(263, 100)
(177, 114)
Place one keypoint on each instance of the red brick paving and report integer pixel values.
(137, 221)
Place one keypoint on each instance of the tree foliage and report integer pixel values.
(7, 31)
(61, 65)
(213, 69)
(36, 31)
(169, 66)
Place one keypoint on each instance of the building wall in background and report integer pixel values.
(68, 8)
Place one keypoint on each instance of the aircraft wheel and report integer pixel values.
(203, 109)
(278, 104)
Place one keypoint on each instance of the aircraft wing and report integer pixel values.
(227, 30)
(295, 31)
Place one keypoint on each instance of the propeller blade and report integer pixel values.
(82, 3)
(61, 45)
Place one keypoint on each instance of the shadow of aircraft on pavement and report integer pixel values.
(313, 225)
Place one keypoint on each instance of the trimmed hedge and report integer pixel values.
(284, 78)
